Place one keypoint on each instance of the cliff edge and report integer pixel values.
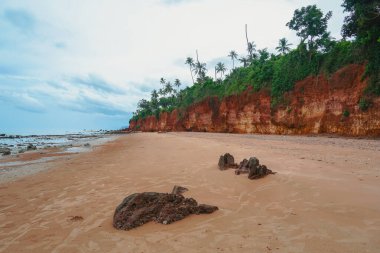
(318, 104)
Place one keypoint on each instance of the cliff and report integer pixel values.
(316, 105)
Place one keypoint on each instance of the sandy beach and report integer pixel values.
(324, 197)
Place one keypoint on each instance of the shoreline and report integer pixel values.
(306, 207)
(19, 165)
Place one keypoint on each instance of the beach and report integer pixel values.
(324, 197)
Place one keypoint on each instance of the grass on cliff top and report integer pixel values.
(276, 73)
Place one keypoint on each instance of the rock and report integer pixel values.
(5, 151)
(203, 208)
(251, 166)
(226, 161)
(86, 144)
(179, 190)
(140, 208)
(259, 172)
(31, 147)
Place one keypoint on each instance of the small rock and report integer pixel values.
(179, 190)
(31, 147)
(5, 151)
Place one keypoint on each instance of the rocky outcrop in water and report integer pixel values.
(165, 208)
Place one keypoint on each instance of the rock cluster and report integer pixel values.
(140, 208)
(251, 166)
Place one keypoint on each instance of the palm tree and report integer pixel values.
(263, 54)
(244, 61)
(283, 46)
(251, 48)
(233, 56)
(220, 68)
(200, 70)
(154, 100)
(190, 62)
(154, 94)
(177, 83)
(168, 88)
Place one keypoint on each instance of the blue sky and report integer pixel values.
(72, 65)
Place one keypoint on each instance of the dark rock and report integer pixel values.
(87, 144)
(140, 208)
(226, 161)
(5, 151)
(203, 208)
(251, 166)
(179, 190)
(259, 172)
(31, 147)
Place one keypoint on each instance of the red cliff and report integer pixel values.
(316, 105)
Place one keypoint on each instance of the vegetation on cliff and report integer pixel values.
(317, 53)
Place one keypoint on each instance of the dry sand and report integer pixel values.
(324, 198)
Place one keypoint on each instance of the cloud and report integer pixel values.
(90, 105)
(60, 45)
(22, 101)
(96, 82)
(20, 18)
(173, 2)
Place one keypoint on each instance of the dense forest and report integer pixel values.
(316, 53)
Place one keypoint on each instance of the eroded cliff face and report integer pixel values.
(316, 105)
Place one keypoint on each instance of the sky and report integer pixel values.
(69, 65)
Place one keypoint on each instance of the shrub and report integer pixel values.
(346, 113)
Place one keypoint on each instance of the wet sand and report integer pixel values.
(324, 198)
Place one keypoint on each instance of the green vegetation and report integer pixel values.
(364, 104)
(346, 113)
(317, 53)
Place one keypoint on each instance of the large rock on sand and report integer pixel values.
(226, 161)
(140, 208)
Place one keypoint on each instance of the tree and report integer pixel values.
(363, 20)
(177, 83)
(233, 55)
(283, 46)
(311, 25)
(190, 62)
(220, 68)
(168, 88)
(263, 55)
(200, 70)
(244, 61)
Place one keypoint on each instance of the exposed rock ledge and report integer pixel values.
(318, 104)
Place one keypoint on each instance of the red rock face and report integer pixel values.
(316, 105)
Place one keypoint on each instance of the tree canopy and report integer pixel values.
(310, 25)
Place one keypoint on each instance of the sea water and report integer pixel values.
(19, 143)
